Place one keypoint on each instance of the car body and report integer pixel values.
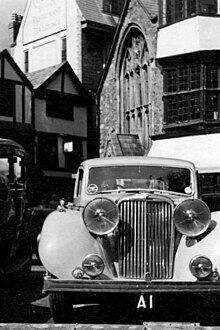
(15, 246)
(137, 229)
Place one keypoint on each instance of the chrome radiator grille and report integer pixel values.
(145, 239)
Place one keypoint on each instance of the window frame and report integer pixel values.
(26, 61)
(134, 78)
(198, 95)
(170, 11)
(63, 49)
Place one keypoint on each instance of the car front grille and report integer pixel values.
(145, 239)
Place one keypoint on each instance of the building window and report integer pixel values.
(134, 83)
(26, 61)
(113, 6)
(59, 105)
(191, 93)
(7, 99)
(210, 190)
(171, 11)
(63, 50)
(73, 151)
(48, 151)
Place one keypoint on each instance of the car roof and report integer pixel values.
(136, 160)
(8, 146)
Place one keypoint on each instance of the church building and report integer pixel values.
(129, 94)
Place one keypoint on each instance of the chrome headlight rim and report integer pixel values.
(98, 219)
(201, 267)
(93, 265)
(192, 217)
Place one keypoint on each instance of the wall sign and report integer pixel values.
(44, 17)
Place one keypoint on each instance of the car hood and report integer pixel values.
(143, 195)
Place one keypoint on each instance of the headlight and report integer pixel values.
(192, 217)
(93, 265)
(77, 273)
(200, 267)
(101, 216)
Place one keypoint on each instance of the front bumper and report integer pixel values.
(131, 286)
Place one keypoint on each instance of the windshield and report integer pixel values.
(10, 168)
(109, 178)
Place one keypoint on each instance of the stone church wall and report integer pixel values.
(109, 97)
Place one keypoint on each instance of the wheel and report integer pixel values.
(61, 307)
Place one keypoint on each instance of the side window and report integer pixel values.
(78, 189)
(210, 190)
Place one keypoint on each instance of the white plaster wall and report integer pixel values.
(46, 51)
(190, 35)
(69, 87)
(28, 105)
(17, 51)
(60, 126)
(44, 55)
(74, 38)
(18, 102)
(10, 73)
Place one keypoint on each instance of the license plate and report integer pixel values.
(145, 301)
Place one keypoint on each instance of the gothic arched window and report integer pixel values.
(134, 85)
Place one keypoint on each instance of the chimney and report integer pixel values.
(14, 26)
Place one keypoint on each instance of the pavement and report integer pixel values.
(145, 326)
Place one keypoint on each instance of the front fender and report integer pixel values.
(65, 242)
(208, 246)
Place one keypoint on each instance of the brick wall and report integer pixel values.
(94, 48)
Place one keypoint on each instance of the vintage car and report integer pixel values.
(137, 231)
(15, 246)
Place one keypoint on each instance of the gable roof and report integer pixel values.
(37, 78)
(5, 54)
(41, 78)
(92, 11)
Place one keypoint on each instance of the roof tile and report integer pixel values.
(38, 77)
(92, 11)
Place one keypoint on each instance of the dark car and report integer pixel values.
(15, 243)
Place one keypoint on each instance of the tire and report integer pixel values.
(61, 307)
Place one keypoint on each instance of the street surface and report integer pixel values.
(23, 306)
